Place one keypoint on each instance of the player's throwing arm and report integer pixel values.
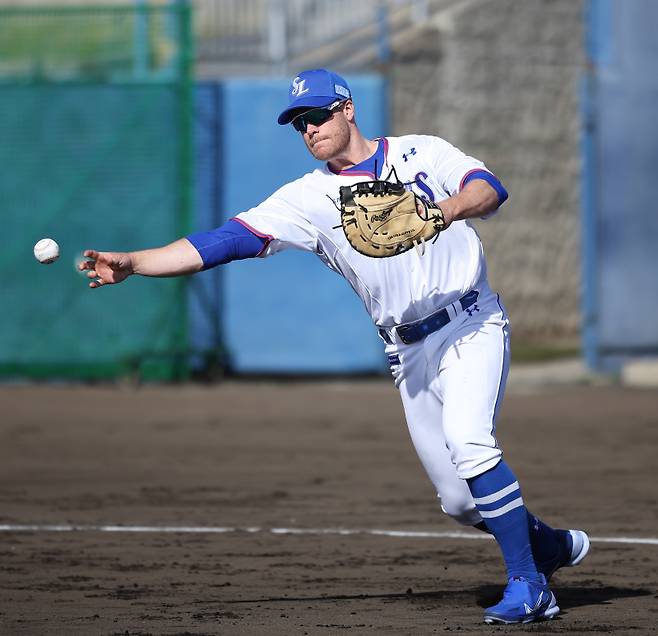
(109, 268)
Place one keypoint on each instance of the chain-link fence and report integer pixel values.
(95, 122)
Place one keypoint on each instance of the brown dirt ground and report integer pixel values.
(306, 455)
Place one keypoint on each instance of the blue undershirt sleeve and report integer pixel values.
(229, 242)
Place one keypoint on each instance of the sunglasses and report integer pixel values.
(315, 116)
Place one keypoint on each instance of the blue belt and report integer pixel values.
(415, 331)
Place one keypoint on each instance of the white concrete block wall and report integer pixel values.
(500, 79)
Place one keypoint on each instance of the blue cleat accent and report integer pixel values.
(523, 601)
(574, 550)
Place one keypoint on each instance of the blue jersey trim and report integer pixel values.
(231, 242)
(367, 167)
(491, 179)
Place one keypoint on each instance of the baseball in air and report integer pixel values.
(46, 251)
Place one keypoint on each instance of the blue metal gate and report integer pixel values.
(620, 209)
(288, 314)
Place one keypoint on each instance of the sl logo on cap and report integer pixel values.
(299, 87)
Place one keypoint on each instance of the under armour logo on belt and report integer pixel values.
(470, 310)
(411, 152)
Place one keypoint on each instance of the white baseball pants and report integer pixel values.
(452, 383)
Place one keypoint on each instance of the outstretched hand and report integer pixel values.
(106, 268)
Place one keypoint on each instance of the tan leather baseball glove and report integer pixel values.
(383, 219)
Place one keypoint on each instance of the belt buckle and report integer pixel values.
(437, 320)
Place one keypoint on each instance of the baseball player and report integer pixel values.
(421, 274)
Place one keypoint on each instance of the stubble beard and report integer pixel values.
(330, 148)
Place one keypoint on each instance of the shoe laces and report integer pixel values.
(513, 590)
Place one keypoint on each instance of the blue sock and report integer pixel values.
(549, 546)
(498, 499)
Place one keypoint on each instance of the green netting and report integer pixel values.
(94, 152)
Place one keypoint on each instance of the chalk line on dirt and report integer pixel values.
(17, 527)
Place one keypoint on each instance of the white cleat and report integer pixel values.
(579, 547)
(579, 550)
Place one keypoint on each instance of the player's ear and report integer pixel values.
(349, 110)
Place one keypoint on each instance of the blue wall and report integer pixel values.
(287, 313)
(620, 150)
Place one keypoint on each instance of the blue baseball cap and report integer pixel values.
(313, 89)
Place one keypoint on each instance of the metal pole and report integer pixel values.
(589, 197)
(186, 166)
(419, 11)
(140, 40)
(276, 36)
(383, 35)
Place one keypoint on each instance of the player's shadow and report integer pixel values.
(567, 596)
(409, 595)
(486, 595)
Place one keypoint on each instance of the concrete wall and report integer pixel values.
(500, 79)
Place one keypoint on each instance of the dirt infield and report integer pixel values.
(330, 455)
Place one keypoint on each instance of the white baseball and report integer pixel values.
(46, 251)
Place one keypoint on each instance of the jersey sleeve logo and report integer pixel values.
(406, 155)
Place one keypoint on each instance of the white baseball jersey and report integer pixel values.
(304, 214)
(451, 382)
